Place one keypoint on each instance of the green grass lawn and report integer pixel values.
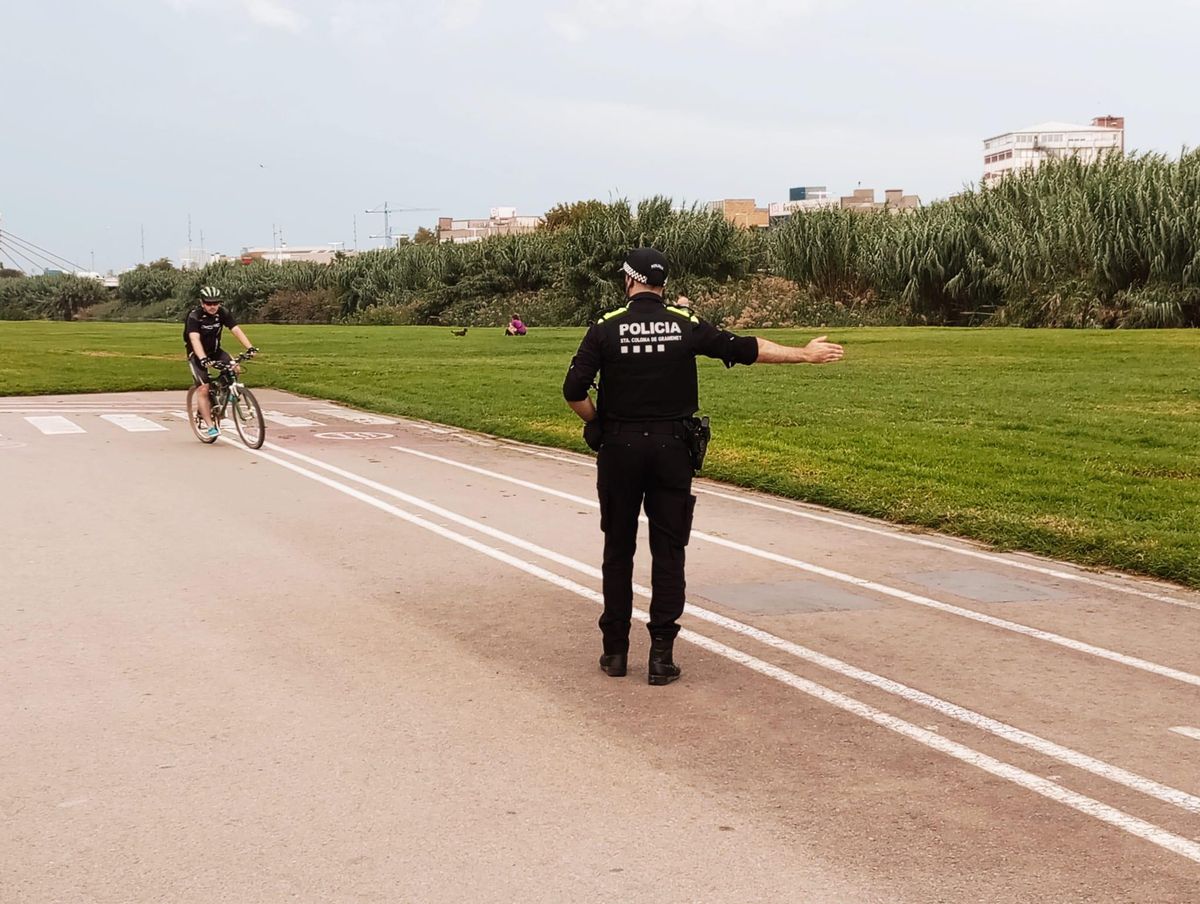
(1080, 445)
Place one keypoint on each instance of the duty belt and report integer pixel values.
(667, 428)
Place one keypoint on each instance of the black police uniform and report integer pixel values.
(646, 354)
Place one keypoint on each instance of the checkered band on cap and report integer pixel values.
(633, 274)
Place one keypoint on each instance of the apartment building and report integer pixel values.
(894, 201)
(501, 221)
(743, 212)
(1030, 147)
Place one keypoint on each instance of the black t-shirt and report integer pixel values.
(645, 354)
(209, 328)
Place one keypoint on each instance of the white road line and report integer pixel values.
(582, 462)
(883, 589)
(132, 422)
(79, 408)
(357, 417)
(1193, 733)
(97, 410)
(901, 536)
(957, 550)
(1051, 790)
(1165, 793)
(289, 420)
(55, 425)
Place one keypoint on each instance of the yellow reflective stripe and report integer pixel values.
(615, 313)
(683, 312)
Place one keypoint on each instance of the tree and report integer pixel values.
(9, 273)
(425, 237)
(561, 216)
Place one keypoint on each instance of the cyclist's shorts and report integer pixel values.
(199, 374)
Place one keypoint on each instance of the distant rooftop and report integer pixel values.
(1054, 126)
(1059, 127)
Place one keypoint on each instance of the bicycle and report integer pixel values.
(225, 391)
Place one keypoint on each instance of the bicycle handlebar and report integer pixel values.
(226, 365)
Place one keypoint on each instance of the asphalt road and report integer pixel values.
(360, 666)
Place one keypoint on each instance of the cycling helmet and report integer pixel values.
(210, 292)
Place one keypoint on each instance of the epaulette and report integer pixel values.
(683, 312)
(611, 314)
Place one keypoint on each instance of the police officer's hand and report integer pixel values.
(822, 351)
(593, 434)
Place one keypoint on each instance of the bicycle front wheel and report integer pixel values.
(193, 413)
(248, 419)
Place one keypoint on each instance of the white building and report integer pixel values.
(503, 221)
(317, 254)
(1030, 146)
(778, 209)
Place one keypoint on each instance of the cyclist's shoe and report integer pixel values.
(213, 431)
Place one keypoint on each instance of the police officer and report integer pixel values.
(645, 353)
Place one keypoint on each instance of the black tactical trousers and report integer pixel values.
(644, 462)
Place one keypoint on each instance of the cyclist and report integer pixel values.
(202, 339)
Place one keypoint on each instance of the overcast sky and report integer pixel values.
(119, 116)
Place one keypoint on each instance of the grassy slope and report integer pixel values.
(1079, 445)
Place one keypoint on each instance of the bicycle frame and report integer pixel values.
(225, 388)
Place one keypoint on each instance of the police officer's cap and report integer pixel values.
(647, 266)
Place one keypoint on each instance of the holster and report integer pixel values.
(698, 435)
(593, 433)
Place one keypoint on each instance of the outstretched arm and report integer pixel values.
(818, 351)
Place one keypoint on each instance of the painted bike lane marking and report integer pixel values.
(55, 425)
(1165, 793)
(1077, 646)
(1044, 787)
(134, 423)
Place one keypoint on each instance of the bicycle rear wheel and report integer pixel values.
(193, 413)
(248, 419)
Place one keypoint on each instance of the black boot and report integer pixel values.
(614, 664)
(663, 669)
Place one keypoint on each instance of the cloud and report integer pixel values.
(643, 17)
(273, 14)
(461, 13)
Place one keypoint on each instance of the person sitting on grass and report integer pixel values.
(515, 327)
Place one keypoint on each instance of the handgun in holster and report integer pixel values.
(698, 435)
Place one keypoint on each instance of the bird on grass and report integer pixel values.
(461, 332)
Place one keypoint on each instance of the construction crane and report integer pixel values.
(387, 225)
